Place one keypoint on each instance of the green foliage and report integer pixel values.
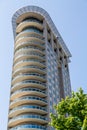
(71, 113)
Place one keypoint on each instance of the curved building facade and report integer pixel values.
(40, 74)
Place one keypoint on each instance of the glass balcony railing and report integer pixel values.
(28, 67)
(30, 61)
(29, 74)
(36, 67)
(31, 42)
(28, 116)
(29, 126)
(28, 35)
(32, 29)
(31, 82)
(30, 47)
(34, 60)
(28, 51)
(31, 20)
(29, 98)
(24, 107)
(29, 89)
(31, 54)
(28, 43)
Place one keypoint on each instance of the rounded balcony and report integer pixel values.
(28, 119)
(28, 92)
(27, 109)
(29, 34)
(29, 39)
(28, 76)
(30, 43)
(28, 83)
(29, 127)
(31, 68)
(29, 51)
(32, 19)
(26, 56)
(29, 24)
(28, 62)
(28, 47)
(28, 100)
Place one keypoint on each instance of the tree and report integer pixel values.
(71, 113)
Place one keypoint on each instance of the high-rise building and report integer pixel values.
(40, 75)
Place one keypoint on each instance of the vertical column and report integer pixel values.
(46, 42)
(52, 42)
(61, 85)
(45, 31)
(68, 84)
(60, 73)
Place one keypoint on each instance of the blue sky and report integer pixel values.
(70, 18)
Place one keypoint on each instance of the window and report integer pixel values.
(55, 50)
(32, 29)
(32, 19)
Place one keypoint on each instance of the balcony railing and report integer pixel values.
(28, 116)
(28, 67)
(36, 67)
(34, 126)
(30, 61)
(29, 89)
(29, 47)
(30, 82)
(24, 107)
(30, 42)
(31, 55)
(29, 98)
(28, 74)
(33, 30)
(29, 35)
